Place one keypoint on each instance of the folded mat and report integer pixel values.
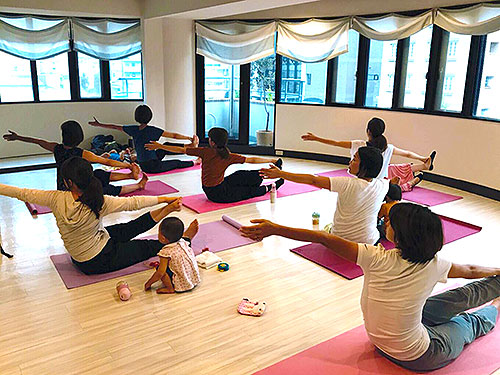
(452, 229)
(351, 353)
(217, 236)
(152, 188)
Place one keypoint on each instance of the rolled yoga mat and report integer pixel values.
(217, 236)
(452, 230)
(352, 353)
(154, 188)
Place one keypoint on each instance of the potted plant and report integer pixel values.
(264, 79)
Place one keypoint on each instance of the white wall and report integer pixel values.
(466, 149)
(43, 120)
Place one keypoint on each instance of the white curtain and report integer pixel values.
(105, 39)
(392, 26)
(476, 20)
(235, 42)
(34, 38)
(313, 40)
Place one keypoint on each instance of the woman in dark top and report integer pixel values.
(72, 136)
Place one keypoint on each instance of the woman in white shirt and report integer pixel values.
(79, 212)
(375, 130)
(408, 327)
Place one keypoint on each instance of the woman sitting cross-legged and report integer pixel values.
(408, 327)
(79, 212)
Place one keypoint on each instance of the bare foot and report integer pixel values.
(165, 291)
(136, 171)
(496, 303)
(191, 231)
(395, 180)
(196, 141)
(143, 182)
(197, 161)
(175, 205)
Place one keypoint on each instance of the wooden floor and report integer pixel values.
(47, 329)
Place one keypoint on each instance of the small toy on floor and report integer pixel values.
(252, 308)
(123, 290)
(223, 267)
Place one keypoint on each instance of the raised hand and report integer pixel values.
(271, 172)
(13, 136)
(151, 146)
(262, 229)
(309, 137)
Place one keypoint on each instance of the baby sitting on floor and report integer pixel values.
(178, 269)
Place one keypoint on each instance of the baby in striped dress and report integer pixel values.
(178, 269)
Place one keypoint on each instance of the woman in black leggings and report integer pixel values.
(79, 212)
(216, 159)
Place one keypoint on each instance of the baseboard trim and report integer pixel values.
(26, 168)
(469, 187)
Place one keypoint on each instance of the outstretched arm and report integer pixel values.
(259, 160)
(409, 154)
(331, 142)
(157, 145)
(93, 158)
(176, 136)
(13, 136)
(310, 179)
(106, 126)
(264, 228)
(469, 271)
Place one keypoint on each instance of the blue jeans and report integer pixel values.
(450, 328)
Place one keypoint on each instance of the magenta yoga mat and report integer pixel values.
(154, 188)
(74, 278)
(351, 353)
(452, 230)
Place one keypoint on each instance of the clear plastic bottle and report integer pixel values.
(272, 196)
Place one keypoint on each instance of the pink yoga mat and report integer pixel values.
(452, 230)
(193, 168)
(351, 353)
(152, 188)
(74, 278)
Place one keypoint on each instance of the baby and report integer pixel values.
(393, 196)
(178, 269)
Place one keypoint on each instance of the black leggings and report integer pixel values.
(107, 188)
(159, 166)
(236, 187)
(120, 250)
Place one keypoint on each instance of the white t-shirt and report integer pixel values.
(358, 203)
(393, 297)
(387, 155)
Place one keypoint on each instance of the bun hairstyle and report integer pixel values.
(370, 162)
(219, 136)
(80, 173)
(72, 133)
(418, 232)
(376, 126)
(143, 114)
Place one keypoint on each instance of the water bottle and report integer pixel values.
(123, 290)
(273, 193)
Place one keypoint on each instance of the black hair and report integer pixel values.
(376, 126)
(172, 228)
(143, 114)
(79, 172)
(394, 193)
(219, 136)
(72, 133)
(371, 161)
(418, 232)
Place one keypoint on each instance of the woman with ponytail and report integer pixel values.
(402, 173)
(216, 159)
(79, 212)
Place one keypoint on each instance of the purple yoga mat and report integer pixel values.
(152, 188)
(351, 353)
(452, 230)
(74, 278)
(200, 204)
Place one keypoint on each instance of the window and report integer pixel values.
(90, 76)
(222, 94)
(15, 79)
(416, 69)
(347, 64)
(380, 68)
(455, 71)
(126, 77)
(489, 93)
(53, 78)
(394, 47)
(294, 78)
(262, 89)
